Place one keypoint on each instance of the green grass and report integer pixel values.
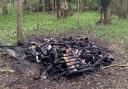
(41, 23)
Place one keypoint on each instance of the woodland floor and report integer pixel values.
(26, 75)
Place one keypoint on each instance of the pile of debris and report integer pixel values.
(68, 56)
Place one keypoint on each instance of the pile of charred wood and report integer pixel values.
(68, 56)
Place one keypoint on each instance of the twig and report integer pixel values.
(116, 65)
(6, 70)
(32, 85)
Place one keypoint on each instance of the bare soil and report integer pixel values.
(27, 75)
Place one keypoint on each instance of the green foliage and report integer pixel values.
(92, 4)
(32, 1)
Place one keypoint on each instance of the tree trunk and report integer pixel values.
(4, 9)
(64, 8)
(105, 12)
(107, 16)
(53, 7)
(123, 9)
(81, 5)
(13, 3)
(20, 13)
(78, 19)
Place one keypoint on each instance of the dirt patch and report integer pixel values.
(27, 74)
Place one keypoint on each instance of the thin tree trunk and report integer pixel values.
(64, 8)
(82, 4)
(53, 6)
(20, 13)
(123, 9)
(78, 20)
(4, 9)
(13, 3)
